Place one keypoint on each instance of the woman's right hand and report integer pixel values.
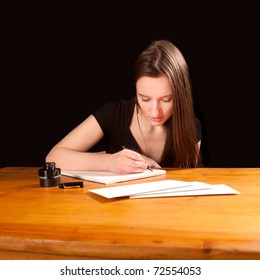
(128, 161)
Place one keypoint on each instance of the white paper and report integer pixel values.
(120, 191)
(163, 188)
(210, 190)
(109, 177)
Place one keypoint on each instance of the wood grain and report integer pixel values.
(53, 223)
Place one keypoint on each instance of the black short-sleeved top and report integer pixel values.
(114, 119)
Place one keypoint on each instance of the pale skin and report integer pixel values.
(154, 97)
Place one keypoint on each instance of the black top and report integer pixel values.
(114, 119)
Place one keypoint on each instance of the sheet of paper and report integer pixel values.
(109, 177)
(120, 191)
(210, 190)
(163, 188)
(192, 186)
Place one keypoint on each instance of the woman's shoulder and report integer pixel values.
(122, 107)
(115, 114)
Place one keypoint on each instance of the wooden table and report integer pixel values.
(54, 223)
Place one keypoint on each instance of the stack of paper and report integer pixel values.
(105, 177)
(164, 188)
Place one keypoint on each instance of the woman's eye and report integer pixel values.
(145, 100)
(167, 100)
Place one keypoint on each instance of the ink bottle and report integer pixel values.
(49, 175)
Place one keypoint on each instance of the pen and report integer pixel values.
(71, 184)
(148, 167)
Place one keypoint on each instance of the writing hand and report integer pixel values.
(127, 161)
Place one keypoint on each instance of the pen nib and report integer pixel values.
(148, 167)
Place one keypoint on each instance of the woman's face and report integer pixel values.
(155, 98)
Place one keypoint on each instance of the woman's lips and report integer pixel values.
(156, 119)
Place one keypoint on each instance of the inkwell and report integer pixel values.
(49, 175)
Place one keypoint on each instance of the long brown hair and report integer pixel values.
(163, 58)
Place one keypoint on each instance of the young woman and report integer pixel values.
(156, 128)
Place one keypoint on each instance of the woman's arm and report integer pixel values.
(71, 153)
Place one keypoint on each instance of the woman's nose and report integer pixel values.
(155, 108)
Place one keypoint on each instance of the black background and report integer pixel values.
(60, 63)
